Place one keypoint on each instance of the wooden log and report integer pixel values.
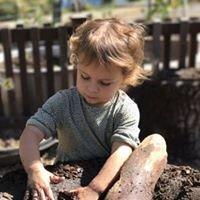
(141, 172)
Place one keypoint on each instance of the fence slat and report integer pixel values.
(193, 44)
(1, 105)
(166, 49)
(7, 47)
(49, 61)
(193, 49)
(183, 43)
(62, 34)
(157, 31)
(23, 72)
(34, 34)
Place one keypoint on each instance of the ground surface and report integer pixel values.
(176, 183)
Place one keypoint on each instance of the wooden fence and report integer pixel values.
(185, 42)
(33, 38)
(37, 72)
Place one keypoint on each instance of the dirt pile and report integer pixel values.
(176, 183)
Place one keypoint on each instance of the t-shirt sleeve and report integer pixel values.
(48, 117)
(126, 128)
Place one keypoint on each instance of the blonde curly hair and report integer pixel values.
(111, 42)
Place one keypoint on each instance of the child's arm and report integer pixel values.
(39, 178)
(120, 153)
(29, 148)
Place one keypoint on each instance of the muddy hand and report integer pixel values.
(38, 193)
(82, 193)
(40, 181)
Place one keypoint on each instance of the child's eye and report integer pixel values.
(85, 77)
(105, 84)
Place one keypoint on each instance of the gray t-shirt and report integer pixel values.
(85, 132)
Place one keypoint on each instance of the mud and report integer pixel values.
(176, 183)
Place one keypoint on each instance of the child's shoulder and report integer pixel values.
(124, 103)
(63, 96)
(123, 98)
(126, 107)
(67, 92)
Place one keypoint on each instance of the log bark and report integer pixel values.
(141, 172)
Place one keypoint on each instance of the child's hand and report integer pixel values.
(83, 193)
(39, 180)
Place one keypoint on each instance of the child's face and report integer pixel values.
(98, 84)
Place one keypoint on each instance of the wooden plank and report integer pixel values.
(166, 48)
(193, 42)
(1, 105)
(195, 26)
(15, 34)
(7, 46)
(23, 72)
(157, 31)
(49, 63)
(193, 49)
(171, 27)
(183, 43)
(34, 34)
(62, 35)
(49, 32)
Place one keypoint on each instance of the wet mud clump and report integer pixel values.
(176, 182)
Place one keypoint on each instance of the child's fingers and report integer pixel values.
(48, 192)
(34, 194)
(41, 194)
(38, 194)
(69, 193)
(56, 179)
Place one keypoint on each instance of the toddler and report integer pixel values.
(96, 118)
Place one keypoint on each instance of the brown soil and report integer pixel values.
(177, 182)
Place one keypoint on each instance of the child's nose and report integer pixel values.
(93, 88)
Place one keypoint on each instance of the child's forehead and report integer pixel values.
(92, 64)
(110, 72)
(85, 60)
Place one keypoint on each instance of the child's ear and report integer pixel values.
(73, 59)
